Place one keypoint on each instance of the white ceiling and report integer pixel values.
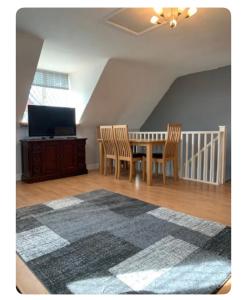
(73, 36)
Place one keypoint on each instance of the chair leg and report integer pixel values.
(111, 165)
(164, 172)
(174, 169)
(175, 166)
(116, 168)
(134, 169)
(143, 169)
(105, 166)
(156, 168)
(131, 171)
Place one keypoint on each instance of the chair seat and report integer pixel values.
(138, 154)
(157, 155)
(160, 156)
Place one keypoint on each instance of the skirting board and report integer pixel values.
(89, 167)
(93, 166)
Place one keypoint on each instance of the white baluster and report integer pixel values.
(212, 158)
(181, 158)
(205, 160)
(199, 159)
(192, 157)
(187, 156)
(223, 152)
(218, 168)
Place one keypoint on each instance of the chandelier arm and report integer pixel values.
(175, 15)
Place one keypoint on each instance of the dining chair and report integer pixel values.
(170, 151)
(124, 150)
(110, 150)
(98, 135)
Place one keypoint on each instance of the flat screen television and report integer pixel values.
(51, 121)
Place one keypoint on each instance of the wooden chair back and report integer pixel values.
(121, 136)
(98, 134)
(106, 134)
(172, 140)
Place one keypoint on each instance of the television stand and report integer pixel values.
(44, 159)
(45, 137)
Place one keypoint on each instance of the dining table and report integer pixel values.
(147, 143)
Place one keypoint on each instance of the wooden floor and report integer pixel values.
(198, 199)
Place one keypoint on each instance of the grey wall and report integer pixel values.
(200, 101)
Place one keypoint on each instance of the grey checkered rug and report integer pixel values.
(106, 243)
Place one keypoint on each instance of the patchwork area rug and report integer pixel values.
(106, 243)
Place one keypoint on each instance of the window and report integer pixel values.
(52, 89)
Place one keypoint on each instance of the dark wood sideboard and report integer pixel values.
(44, 159)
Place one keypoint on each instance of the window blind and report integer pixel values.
(51, 79)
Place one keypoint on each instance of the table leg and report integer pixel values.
(149, 163)
(101, 158)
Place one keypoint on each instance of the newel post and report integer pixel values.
(222, 145)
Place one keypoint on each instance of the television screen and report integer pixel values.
(51, 121)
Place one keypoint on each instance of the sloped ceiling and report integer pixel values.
(84, 81)
(28, 49)
(126, 92)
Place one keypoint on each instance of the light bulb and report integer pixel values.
(191, 12)
(154, 20)
(173, 23)
(158, 10)
(180, 10)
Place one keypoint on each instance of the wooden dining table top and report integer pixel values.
(143, 141)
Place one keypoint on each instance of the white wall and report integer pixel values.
(28, 48)
(21, 132)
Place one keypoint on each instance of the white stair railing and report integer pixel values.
(147, 135)
(202, 154)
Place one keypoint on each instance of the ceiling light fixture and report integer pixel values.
(154, 20)
(191, 12)
(159, 10)
(171, 15)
